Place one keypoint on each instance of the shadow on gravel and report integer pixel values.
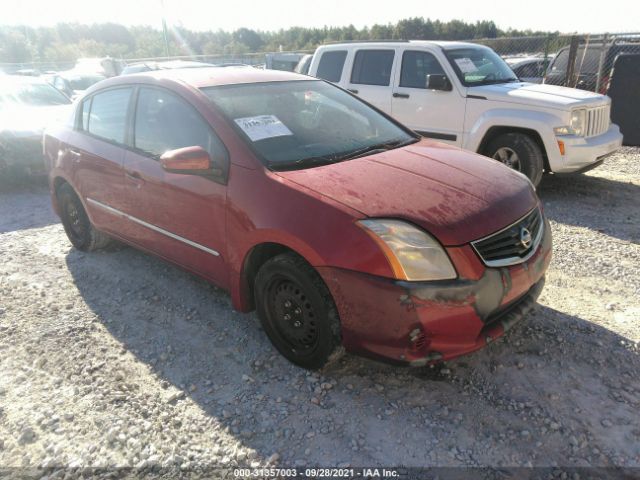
(554, 372)
(589, 201)
(25, 204)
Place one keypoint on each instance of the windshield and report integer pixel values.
(303, 123)
(32, 94)
(479, 66)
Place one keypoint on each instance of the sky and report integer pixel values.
(567, 16)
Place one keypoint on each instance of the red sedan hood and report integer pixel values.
(455, 195)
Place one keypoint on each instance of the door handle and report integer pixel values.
(134, 176)
(400, 95)
(75, 154)
(352, 90)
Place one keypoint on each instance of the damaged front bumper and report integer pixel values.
(418, 323)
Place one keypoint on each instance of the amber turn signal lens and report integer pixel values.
(561, 147)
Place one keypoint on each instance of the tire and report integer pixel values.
(520, 152)
(287, 286)
(81, 233)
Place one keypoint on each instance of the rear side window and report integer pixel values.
(108, 114)
(372, 67)
(415, 68)
(165, 122)
(331, 64)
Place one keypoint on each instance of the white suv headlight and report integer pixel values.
(413, 254)
(578, 119)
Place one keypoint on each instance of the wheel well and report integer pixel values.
(495, 132)
(58, 182)
(254, 260)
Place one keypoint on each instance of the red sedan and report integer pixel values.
(342, 228)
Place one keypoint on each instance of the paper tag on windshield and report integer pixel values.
(466, 65)
(262, 126)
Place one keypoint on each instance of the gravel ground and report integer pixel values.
(119, 359)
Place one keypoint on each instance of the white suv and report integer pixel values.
(465, 94)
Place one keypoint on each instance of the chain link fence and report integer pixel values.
(578, 61)
(581, 61)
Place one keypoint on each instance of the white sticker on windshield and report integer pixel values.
(466, 65)
(262, 126)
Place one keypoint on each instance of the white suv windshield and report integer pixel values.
(299, 124)
(479, 66)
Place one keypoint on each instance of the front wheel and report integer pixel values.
(297, 311)
(519, 152)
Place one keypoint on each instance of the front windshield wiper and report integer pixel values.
(327, 159)
(497, 81)
(376, 148)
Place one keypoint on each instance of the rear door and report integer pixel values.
(372, 73)
(181, 217)
(96, 147)
(431, 113)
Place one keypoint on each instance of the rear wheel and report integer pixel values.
(82, 234)
(520, 152)
(297, 312)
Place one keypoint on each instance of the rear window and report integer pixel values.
(108, 114)
(372, 67)
(331, 64)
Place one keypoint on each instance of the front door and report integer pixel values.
(181, 217)
(435, 114)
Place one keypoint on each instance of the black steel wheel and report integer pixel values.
(76, 223)
(297, 312)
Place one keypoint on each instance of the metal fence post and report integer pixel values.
(603, 49)
(571, 62)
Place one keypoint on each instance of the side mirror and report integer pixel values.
(438, 81)
(187, 160)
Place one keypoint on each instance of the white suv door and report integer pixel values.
(371, 75)
(437, 114)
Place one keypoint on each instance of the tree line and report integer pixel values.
(66, 42)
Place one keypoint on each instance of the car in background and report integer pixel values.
(466, 95)
(105, 66)
(282, 61)
(27, 106)
(73, 83)
(303, 65)
(340, 226)
(150, 66)
(528, 69)
(588, 59)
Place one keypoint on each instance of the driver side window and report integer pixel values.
(164, 121)
(415, 68)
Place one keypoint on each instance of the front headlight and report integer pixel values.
(578, 118)
(413, 254)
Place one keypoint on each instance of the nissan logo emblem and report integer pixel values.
(525, 237)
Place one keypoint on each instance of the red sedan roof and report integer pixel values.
(214, 76)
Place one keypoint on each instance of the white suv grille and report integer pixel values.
(598, 120)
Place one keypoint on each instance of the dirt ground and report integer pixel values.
(117, 359)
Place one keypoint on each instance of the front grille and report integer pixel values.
(598, 120)
(509, 246)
